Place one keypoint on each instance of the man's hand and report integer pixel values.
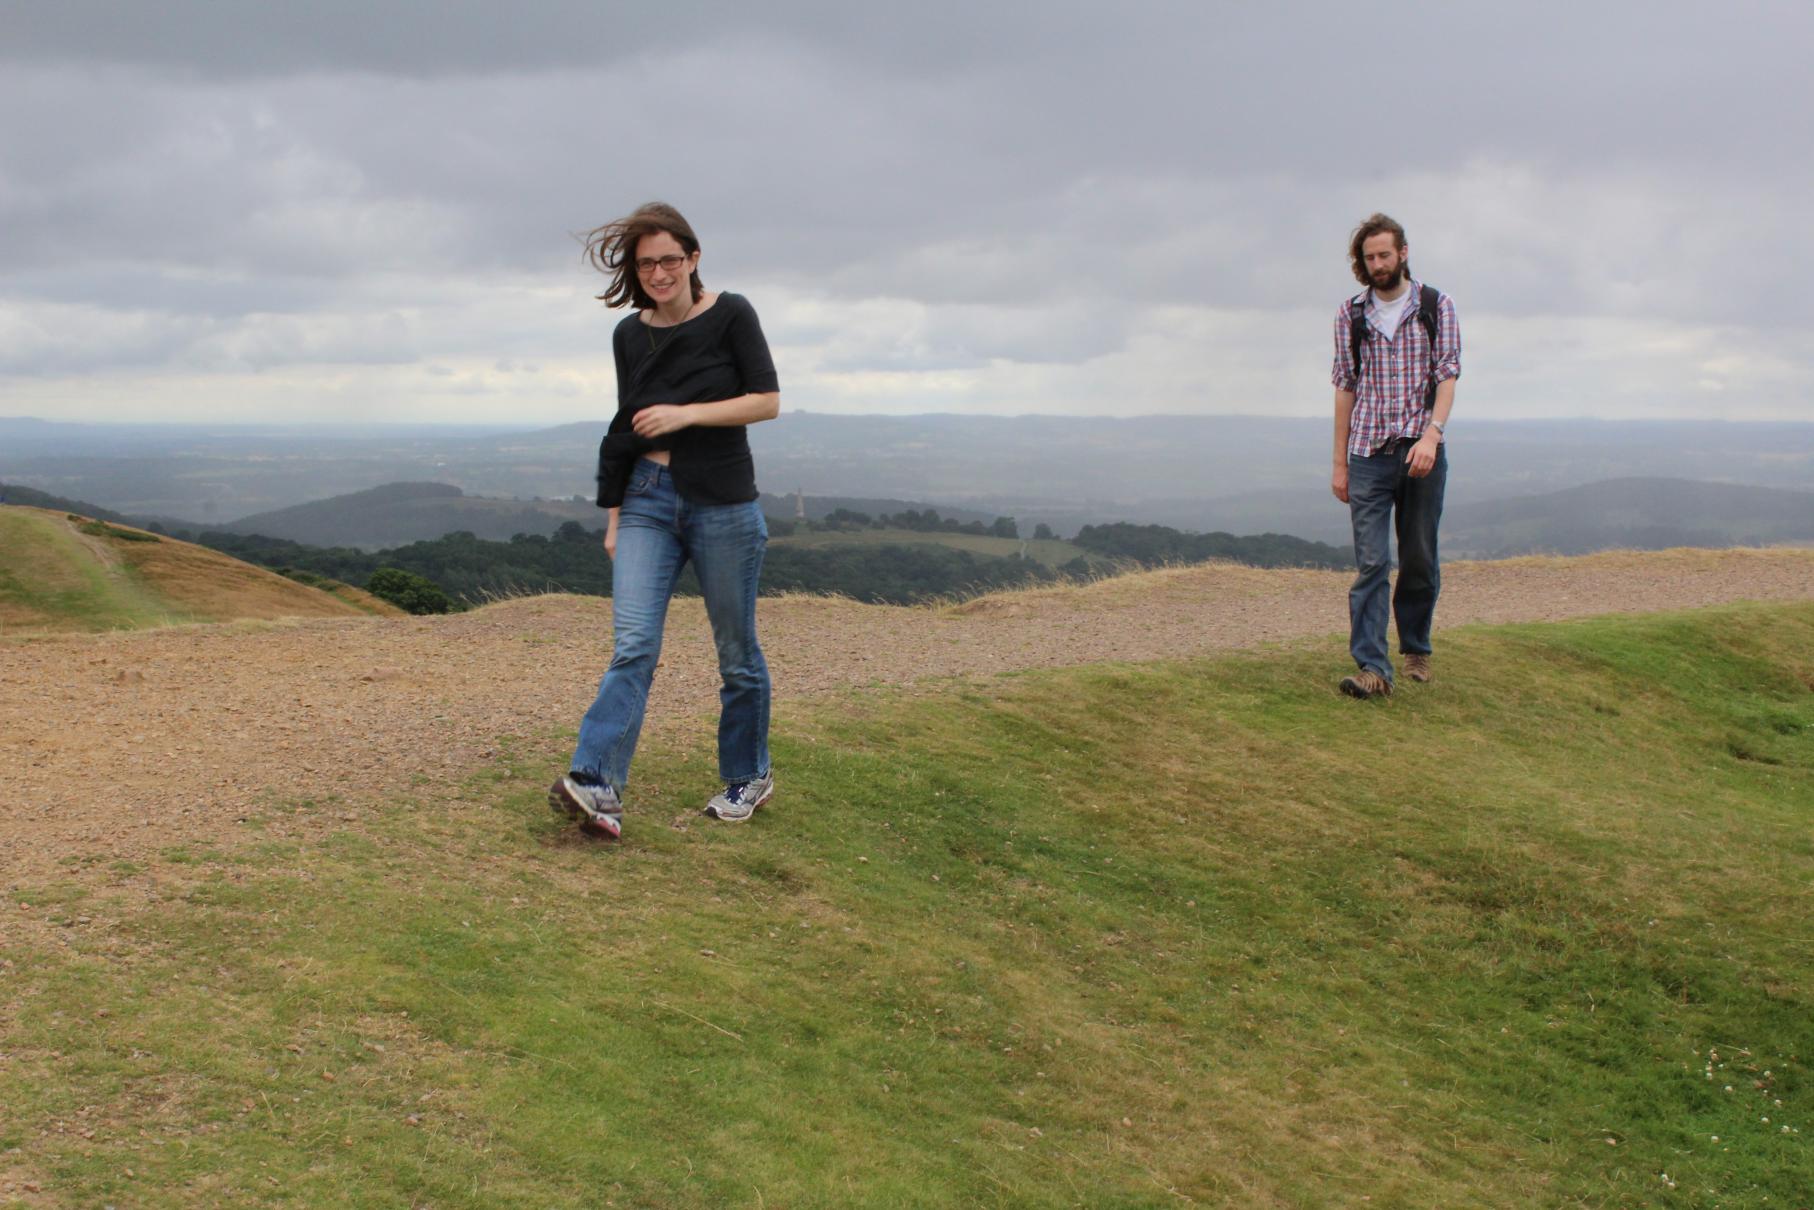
(1423, 455)
(658, 420)
(1338, 481)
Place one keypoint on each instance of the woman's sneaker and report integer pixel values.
(596, 807)
(740, 799)
(1365, 684)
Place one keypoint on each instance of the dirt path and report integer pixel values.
(102, 552)
(117, 746)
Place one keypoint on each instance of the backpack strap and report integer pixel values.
(1357, 332)
(1428, 299)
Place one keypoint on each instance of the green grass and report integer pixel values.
(100, 529)
(49, 577)
(1052, 552)
(1118, 936)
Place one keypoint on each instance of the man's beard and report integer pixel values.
(1391, 283)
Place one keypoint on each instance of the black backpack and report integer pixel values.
(1427, 298)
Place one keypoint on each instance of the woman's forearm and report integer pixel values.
(660, 419)
(744, 409)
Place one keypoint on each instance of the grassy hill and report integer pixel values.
(1193, 933)
(67, 572)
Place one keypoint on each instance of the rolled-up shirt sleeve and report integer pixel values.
(1343, 376)
(1447, 354)
(749, 348)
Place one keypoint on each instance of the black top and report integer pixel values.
(718, 354)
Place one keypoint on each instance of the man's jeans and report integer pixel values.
(1377, 486)
(657, 533)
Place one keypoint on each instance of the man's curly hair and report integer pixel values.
(1366, 231)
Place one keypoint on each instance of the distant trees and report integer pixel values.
(408, 591)
(1043, 533)
(928, 521)
(845, 518)
(470, 570)
(895, 574)
(1156, 545)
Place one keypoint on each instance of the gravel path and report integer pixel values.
(116, 746)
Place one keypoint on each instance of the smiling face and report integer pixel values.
(665, 270)
(1385, 259)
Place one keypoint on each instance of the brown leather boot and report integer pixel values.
(1417, 667)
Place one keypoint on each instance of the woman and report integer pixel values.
(675, 472)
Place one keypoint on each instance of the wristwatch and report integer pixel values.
(1437, 425)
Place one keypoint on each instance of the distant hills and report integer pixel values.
(13, 493)
(1239, 474)
(394, 514)
(1514, 487)
(399, 513)
(1637, 513)
(64, 572)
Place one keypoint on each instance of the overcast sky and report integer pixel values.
(366, 210)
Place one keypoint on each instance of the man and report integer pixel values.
(1397, 355)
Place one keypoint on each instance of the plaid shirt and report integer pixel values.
(1395, 374)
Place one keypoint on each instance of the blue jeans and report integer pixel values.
(1379, 486)
(657, 533)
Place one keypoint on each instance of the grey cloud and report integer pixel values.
(1196, 84)
(142, 287)
(212, 165)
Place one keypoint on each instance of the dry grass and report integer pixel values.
(213, 587)
(1127, 588)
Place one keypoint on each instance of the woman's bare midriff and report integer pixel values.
(660, 457)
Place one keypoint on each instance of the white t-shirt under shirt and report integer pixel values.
(1386, 313)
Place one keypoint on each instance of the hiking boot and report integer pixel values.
(1417, 667)
(596, 807)
(1366, 683)
(740, 799)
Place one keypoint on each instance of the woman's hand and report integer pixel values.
(611, 537)
(658, 420)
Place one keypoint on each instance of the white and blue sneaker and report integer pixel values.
(596, 807)
(740, 799)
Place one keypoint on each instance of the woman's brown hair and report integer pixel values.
(611, 249)
(1366, 231)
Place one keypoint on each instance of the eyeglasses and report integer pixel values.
(646, 265)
